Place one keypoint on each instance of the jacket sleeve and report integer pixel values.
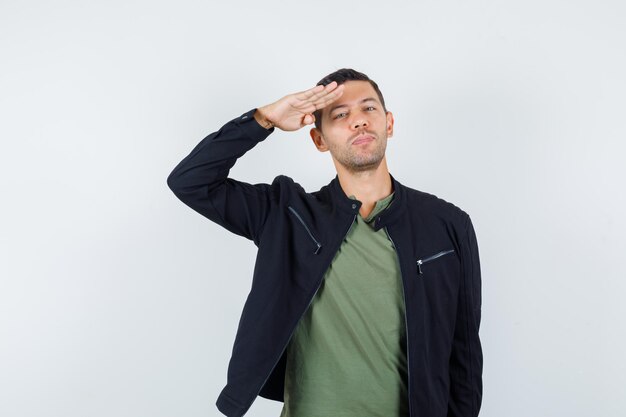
(466, 360)
(201, 180)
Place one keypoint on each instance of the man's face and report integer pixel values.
(355, 128)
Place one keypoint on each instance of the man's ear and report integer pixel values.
(390, 121)
(318, 139)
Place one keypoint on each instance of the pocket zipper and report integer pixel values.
(319, 245)
(420, 262)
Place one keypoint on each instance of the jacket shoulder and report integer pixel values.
(428, 204)
(285, 188)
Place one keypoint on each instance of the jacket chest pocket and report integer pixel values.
(317, 245)
(424, 263)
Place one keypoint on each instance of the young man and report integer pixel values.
(366, 294)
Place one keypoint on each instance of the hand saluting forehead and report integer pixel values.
(296, 110)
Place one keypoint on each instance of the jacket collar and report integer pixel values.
(387, 216)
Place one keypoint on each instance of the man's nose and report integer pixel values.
(360, 122)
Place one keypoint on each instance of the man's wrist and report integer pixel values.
(262, 120)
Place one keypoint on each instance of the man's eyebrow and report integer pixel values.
(332, 109)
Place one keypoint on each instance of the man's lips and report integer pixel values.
(363, 139)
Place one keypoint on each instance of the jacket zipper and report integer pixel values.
(420, 262)
(406, 325)
(319, 245)
(319, 284)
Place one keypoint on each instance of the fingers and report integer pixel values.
(311, 92)
(319, 94)
(329, 98)
(317, 91)
(317, 98)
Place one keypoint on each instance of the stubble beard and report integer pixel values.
(360, 160)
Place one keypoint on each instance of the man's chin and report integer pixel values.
(364, 166)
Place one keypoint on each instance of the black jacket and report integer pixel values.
(297, 235)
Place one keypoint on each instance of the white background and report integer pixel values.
(118, 300)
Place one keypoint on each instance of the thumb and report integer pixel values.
(308, 119)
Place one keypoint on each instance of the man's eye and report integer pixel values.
(371, 108)
(339, 115)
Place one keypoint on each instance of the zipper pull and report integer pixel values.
(318, 248)
(419, 266)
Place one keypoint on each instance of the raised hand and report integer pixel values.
(295, 111)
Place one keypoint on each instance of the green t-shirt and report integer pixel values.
(347, 356)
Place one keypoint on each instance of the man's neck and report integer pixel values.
(367, 186)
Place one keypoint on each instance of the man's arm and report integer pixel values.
(201, 179)
(466, 360)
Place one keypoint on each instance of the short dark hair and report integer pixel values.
(341, 76)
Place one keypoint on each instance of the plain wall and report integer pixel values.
(118, 300)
